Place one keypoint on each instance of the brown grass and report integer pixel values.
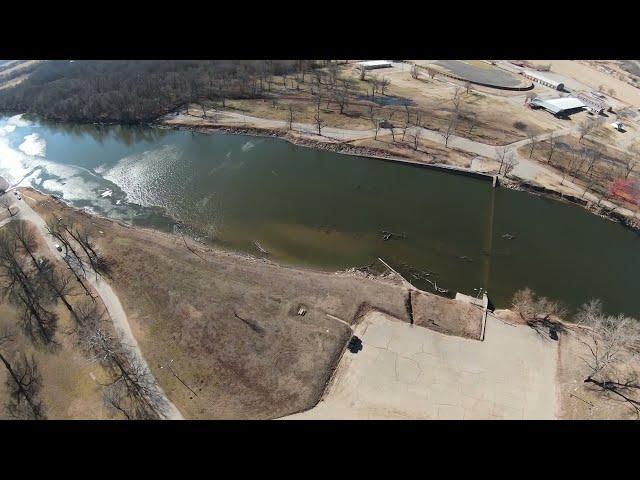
(447, 316)
(609, 168)
(494, 117)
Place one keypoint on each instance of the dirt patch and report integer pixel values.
(447, 316)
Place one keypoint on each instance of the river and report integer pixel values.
(325, 210)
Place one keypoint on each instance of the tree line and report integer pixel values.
(128, 91)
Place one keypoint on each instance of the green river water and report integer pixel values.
(326, 211)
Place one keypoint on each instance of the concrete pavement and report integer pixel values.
(410, 372)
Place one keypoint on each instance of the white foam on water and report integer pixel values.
(142, 176)
(100, 169)
(248, 146)
(25, 166)
(19, 121)
(34, 145)
(7, 129)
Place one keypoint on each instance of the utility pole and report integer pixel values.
(168, 365)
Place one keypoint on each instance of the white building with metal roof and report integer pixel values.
(559, 106)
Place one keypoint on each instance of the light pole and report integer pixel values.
(168, 365)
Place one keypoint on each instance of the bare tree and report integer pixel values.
(24, 289)
(611, 343)
(468, 87)
(375, 84)
(363, 72)
(290, 108)
(131, 389)
(450, 128)
(629, 164)
(532, 142)
(593, 157)
(552, 147)
(384, 83)
(585, 127)
(472, 119)
(340, 96)
(390, 125)
(318, 119)
(509, 164)
(414, 71)
(376, 125)
(26, 239)
(573, 159)
(221, 89)
(590, 181)
(416, 138)
(456, 99)
(540, 313)
(5, 201)
(501, 155)
(24, 384)
(56, 228)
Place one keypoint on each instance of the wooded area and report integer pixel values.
(128, 91)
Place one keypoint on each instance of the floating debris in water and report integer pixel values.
(508, 236)
(261, 248)
(389, 235)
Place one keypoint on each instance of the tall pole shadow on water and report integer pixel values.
(488, 242)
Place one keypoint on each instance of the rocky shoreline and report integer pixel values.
(328, 145)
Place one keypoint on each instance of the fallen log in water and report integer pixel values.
(261, 248)
(389, 235)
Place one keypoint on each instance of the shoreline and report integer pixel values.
(352, 272)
